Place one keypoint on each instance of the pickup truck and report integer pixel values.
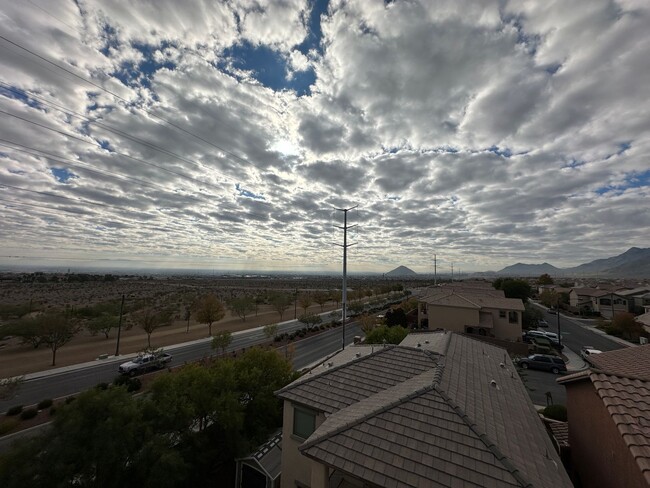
(144, 363)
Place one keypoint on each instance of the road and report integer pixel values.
(575, 337)
(68, 381)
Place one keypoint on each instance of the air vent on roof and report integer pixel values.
(427, 341)
(493, 383)
(330, 364)
(503, 365)
(419, 345)
(358, 354)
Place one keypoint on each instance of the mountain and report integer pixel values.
(400, 272)
(633, 263)
(521, 269)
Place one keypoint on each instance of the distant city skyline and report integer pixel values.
(225, 135)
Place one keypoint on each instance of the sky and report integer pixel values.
(226, 134)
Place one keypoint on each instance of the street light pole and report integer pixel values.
(559, 331)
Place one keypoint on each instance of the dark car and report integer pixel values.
(542, 323)
(543, 362)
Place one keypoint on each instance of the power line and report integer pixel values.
(147, 111)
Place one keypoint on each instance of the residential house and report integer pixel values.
(262, 468)
(440, 409)
(585, 299)
(479, 311)
(608, 410)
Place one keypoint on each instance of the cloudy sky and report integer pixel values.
(224, 134)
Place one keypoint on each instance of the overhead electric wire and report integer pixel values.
(72, 113)
(110, 92)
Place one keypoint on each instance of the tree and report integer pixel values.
(222, 340)
(310, 319)
(321, 298)
(513, 288)
(104, 324)
(627, 325)
(186, 316)
(545, 279)
(356, 307)
(336, 297)
(280, 302)
(209, 310)
(549, 298)
(242, 306)
(56, 330)
(9, 387)
(386, 335)
(270, 331)
(531, 316)
(150, 320)
(368, 323)
(396, 316)
(305, 301)
(27, 329)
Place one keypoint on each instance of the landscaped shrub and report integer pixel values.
(52, 411)
(8, 425)
(43, 404)
(555, 412)
(29, 413)
(132, 384)
(69, 400)
(102, 386)
(14, 410)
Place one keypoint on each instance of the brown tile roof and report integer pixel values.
(470, 299)
(435, 342)
(450, 299)
(589, 292)
(346, 384)
(447, 425)
(633, 362)
(628, 402)
(560, 431)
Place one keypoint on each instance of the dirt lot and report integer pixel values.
(17, 359)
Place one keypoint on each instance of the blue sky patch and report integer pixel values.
(314, 31)
(140, 74)
(110, 38)
(248, 194)
(16, 93)
(506, 153)
(632, 180)
(62, 175)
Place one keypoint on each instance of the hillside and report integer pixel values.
(521, 269)
(400, 272)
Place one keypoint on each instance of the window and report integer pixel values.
(424, 308)
(605, 301)
(513, 317)
(502, 314)
(304, 422)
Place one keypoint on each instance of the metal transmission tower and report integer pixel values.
(345, 245)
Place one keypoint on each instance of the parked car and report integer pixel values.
(550, 335)
(541, 338)
(552, 311)
(588, 351)
(543, 362)
(542, 323)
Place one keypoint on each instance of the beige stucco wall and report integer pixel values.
(451, 318)
(503, 329)
(295, 466)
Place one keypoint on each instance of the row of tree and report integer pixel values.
(183, 432)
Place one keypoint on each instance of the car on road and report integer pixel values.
(543, 362)
(144, 363)
(552, 311)
(551, 335)
(542, 323)
(588, 351)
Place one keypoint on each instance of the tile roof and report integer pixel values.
(435, 342)
(447, 424)
(590, 292)
(472, 298)
(560, 431)
(631, 362)
(628, 402)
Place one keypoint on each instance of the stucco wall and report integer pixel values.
(598, 453)
(451, 318)
(503, 329)
(295, 466)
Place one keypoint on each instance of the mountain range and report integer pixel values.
(633, 263)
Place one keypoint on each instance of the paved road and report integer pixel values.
(68, 381)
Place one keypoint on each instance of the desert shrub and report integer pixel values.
(102, 386)
(131, 384)
(29, 413)
(555, 412)
(8, 425)
(43, 404)
(14, 410)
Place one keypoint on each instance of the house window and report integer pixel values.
(502, 314)
(605, 301)
(304, 422)
(513, 317)
(424, 308)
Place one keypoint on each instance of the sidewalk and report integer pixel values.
(574, 362)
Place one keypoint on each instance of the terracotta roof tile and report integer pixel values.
(632, 362)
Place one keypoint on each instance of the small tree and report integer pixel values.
(356, 307)
(305, 301)
(531, 316)
(150, 320)
(310, 320)
(280, 302)
(104, 324)
(242, 306)
(549, 298)
(368, 323)
(186, 316)
(222, 340)
(57, 330)
(336, 297)
(627, 325)
(209, 310)
(270, 331)
(321, 298)
(386, 335)
(545, 279)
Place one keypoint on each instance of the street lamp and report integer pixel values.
(559, 331)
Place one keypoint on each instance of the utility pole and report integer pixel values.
(119, 329)
(435, 271)
(559, 331)
(344, 291)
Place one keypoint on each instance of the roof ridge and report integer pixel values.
(502, 458)
(294, 384)
(437, 375)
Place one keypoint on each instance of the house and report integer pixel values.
(262, 468)
(608, 409)
(585, 299)
(440, 409)
(470, 310)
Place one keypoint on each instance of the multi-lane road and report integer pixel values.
(67, 381)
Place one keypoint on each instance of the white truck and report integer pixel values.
(145, 362)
